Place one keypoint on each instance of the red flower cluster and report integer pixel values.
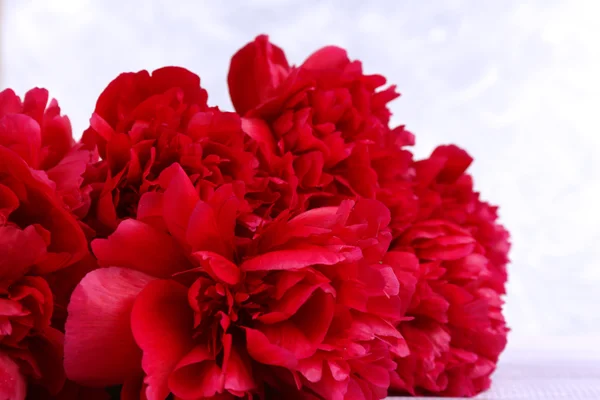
(291, 249)
(40, 239)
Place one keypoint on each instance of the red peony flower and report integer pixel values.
(38, 237)
(320, 130)
(43, 139)
(143, 124)
(454, 328)
(449, 195)
(307, 306)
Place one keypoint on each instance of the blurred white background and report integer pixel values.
(517, 83)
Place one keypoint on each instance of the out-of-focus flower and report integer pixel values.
(454, 325)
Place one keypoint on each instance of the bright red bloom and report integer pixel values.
(143, 124)
(455, 328)
(448, 194)
(320, 130)
(37, 132)
(307, 306)
(38, 237)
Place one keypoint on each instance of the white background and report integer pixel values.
(517, 83)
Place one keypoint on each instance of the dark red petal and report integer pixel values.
(255, 72)
(139, 246)
(98, 330)
(162, 324)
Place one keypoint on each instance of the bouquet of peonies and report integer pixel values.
(290, 249)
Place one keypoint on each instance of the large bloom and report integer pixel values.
(42, 137)
(320, 130)
(38, 237)
(454, 325)
(307, 306)
(145, 122)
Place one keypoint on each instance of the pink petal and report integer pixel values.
(162, 324)
(98, 330)
(139, 246)
(12, 383)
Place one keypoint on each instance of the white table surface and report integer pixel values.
(547, 369)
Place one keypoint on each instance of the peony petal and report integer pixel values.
(150, 210)
(139, 246)
(258, 130)
(14, 262)
(311, 368)
(12, 383)
(327, 58)
(255, 72)
(179, 202)
(196, 376)
(10, 103)
(67, 242)
(22, 135)
(263, 351)
(219, 267)
(98, 330)
(293, 259)
(294, 298)
(203, 231)
(238, 373)
(162, 323)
